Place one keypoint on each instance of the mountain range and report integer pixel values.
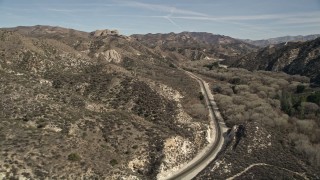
(101, 105)
(196, 45)
(278, 40)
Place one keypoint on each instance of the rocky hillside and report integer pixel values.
(93, 105)
(196, 45)
(301, 58)
(278, 40)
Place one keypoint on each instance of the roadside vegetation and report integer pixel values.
(279, 101)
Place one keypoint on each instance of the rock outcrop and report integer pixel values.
(110, 56)
(104, 32)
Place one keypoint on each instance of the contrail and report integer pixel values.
(172, 22)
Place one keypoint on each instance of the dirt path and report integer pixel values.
(264, 164)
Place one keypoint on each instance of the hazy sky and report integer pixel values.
(253, 19)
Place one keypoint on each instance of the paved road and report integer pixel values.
(218, 127)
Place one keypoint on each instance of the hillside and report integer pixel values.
(278, 40)
(301, 58)
(196, 45)
(93, 105)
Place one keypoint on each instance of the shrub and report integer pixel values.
(314, 98)
(302, 144)
(77, 101)
(41, 123)
(201, 97)
(235, 81)
(172, 65)
(300, 88)
(74, 157)
(310, 108)
(197, 110)
(113, 162)
(286, 102)
(217, 89)
(57, 84)
(210, 66)
(39, 126)
(306, 126)
(241, 89)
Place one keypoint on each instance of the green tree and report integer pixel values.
(235, 81)
(300, 88)
(314, 98)
(286, 102)
(201, 97)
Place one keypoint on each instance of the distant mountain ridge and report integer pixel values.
(196, 45)
(301, 58)
(277, 40)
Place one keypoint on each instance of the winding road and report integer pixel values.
(218, 127)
